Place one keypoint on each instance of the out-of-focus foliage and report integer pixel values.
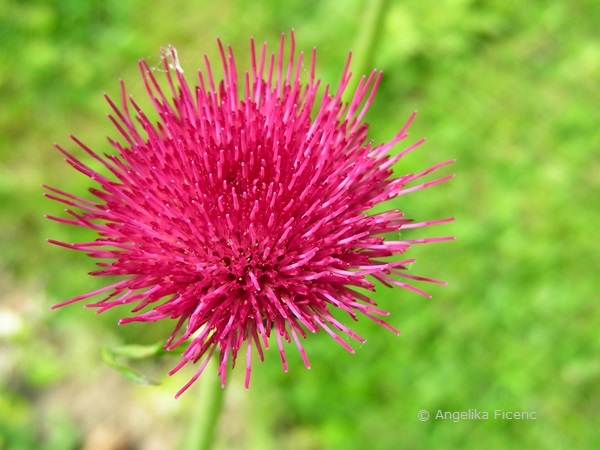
(509, 89)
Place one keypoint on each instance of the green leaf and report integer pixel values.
(110, 357)
(136, 351)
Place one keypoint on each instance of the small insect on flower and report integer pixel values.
(243, 213)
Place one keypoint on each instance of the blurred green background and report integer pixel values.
(510, 89)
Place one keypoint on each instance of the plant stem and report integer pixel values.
(366, 43)
(206, 414)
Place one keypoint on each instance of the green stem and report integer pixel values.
(206, 414)
(366, 43)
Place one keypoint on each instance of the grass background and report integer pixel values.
(509, 89)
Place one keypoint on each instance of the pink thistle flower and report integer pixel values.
(245, 215)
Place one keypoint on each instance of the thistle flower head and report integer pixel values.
(244, 211)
